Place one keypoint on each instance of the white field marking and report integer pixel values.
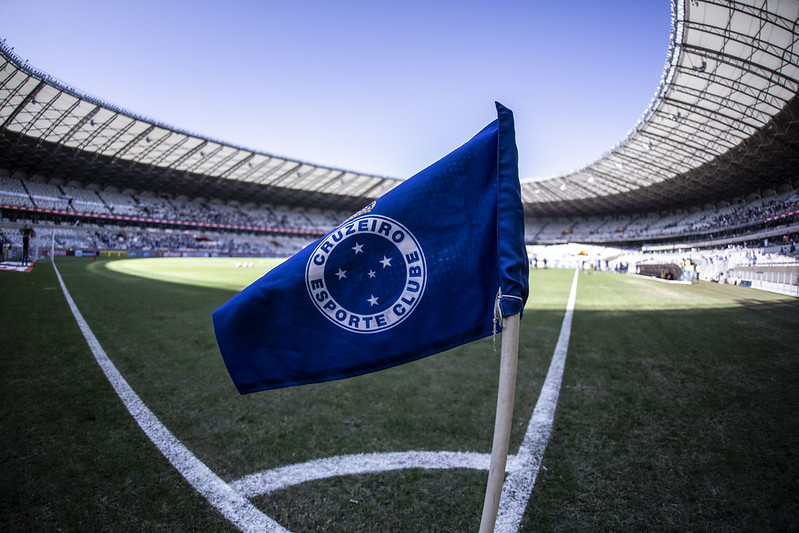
(232, 499)
(522, 467)
(235, 507)
(520, 481)
(362, 463)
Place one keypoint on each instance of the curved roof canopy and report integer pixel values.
(723, 122)
(732, 70)
(52, 129)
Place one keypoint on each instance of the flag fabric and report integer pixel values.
(424, 268)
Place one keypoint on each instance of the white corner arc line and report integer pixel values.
(233, 506)
(520, 481)
(362, 463)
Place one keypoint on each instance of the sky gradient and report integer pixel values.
(385, 88)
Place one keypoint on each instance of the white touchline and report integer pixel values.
(235, 507)
(520, 481)
(232, 499)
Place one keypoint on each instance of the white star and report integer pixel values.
(371, 274)
(386, 262)
(358, 248)
(341, 273)
(372, 301)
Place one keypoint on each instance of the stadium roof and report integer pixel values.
(723, 123)
(51, 129)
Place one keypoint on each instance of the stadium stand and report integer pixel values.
(84, 200)
(743, 221)
(119, 204)
(45, 196)
(12, 192)
(66, 217)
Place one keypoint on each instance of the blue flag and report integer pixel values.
(422, 269)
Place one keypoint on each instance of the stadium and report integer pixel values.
(663, 276)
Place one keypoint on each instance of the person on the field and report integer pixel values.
(26, 237)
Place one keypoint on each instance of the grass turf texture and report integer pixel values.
(678, 410)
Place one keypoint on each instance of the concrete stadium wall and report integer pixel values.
(782, 279)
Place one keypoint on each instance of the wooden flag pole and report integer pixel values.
(502, 424)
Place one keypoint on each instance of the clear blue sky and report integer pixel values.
(377, 87)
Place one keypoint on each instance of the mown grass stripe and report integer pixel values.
(233, 506)
(520, 481)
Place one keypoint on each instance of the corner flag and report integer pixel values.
(418, 271)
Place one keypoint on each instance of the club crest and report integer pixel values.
(367, 275)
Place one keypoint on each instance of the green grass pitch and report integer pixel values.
(679, 409)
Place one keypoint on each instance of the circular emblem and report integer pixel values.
(367, 275)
